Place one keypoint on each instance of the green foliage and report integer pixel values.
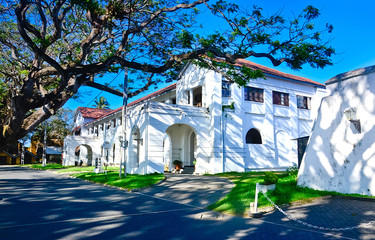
(58, 127)
(270, 178)
(48, 166)
(60, 46)
(231, 106)
(102, 103)
(292, 170)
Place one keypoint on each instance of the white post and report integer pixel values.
(256, 198)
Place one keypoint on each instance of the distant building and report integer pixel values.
(205, 120)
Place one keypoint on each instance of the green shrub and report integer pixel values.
(270, 178)
(292, 170)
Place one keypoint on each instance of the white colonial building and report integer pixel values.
(203, 119)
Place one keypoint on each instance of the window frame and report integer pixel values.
(306, 102)
(226, 87)
(280, 98)
(247, 94)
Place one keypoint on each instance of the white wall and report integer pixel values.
(339, 157)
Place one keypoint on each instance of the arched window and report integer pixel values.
(253, 137)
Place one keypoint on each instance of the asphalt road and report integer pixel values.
(42, 205)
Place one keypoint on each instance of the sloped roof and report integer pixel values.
(239, 62)
(93, 112)
(145, 98)
(270, 71)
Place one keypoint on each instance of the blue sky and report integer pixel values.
(353, 38)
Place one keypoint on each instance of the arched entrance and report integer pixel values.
(180, 144)
(83, 155)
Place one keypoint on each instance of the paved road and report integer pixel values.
(42, 205)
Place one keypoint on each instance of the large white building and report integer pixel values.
(204, 119)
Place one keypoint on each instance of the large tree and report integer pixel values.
(50, 48)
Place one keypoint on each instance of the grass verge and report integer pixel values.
(47, 167)
(238, 200)
(132, 181)
(64, 169)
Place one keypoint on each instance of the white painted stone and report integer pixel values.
(338, 156)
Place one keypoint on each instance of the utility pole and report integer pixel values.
(44, 160)
(124, 143)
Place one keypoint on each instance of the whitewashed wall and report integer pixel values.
(339, 157)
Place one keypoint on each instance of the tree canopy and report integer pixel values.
(50, 48)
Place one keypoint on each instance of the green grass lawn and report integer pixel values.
(132, 181)
(238, 200)
(86, 169)
(47, 167)
(63, 169)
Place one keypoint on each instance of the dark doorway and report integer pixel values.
(302, 143)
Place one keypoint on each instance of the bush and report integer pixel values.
(292, 170)
(270, 178)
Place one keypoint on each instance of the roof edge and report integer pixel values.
(351, 74)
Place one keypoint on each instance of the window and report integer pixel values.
(225, 86)
(114, 123)
(253, 137)
(91, 131)
(280, 98)
(303, 102)
(254, 94)
(119, 120)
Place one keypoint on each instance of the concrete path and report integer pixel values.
(197, 191)
(42, 205)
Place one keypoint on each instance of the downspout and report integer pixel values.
(147, 119)
(223, 138)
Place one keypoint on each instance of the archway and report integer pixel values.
(181, 144)
(83, 155)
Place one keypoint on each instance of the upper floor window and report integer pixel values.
(254, 94)
(225, 88)
(303, 102)
(253, 137)
(114, 122)
(280, 98)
